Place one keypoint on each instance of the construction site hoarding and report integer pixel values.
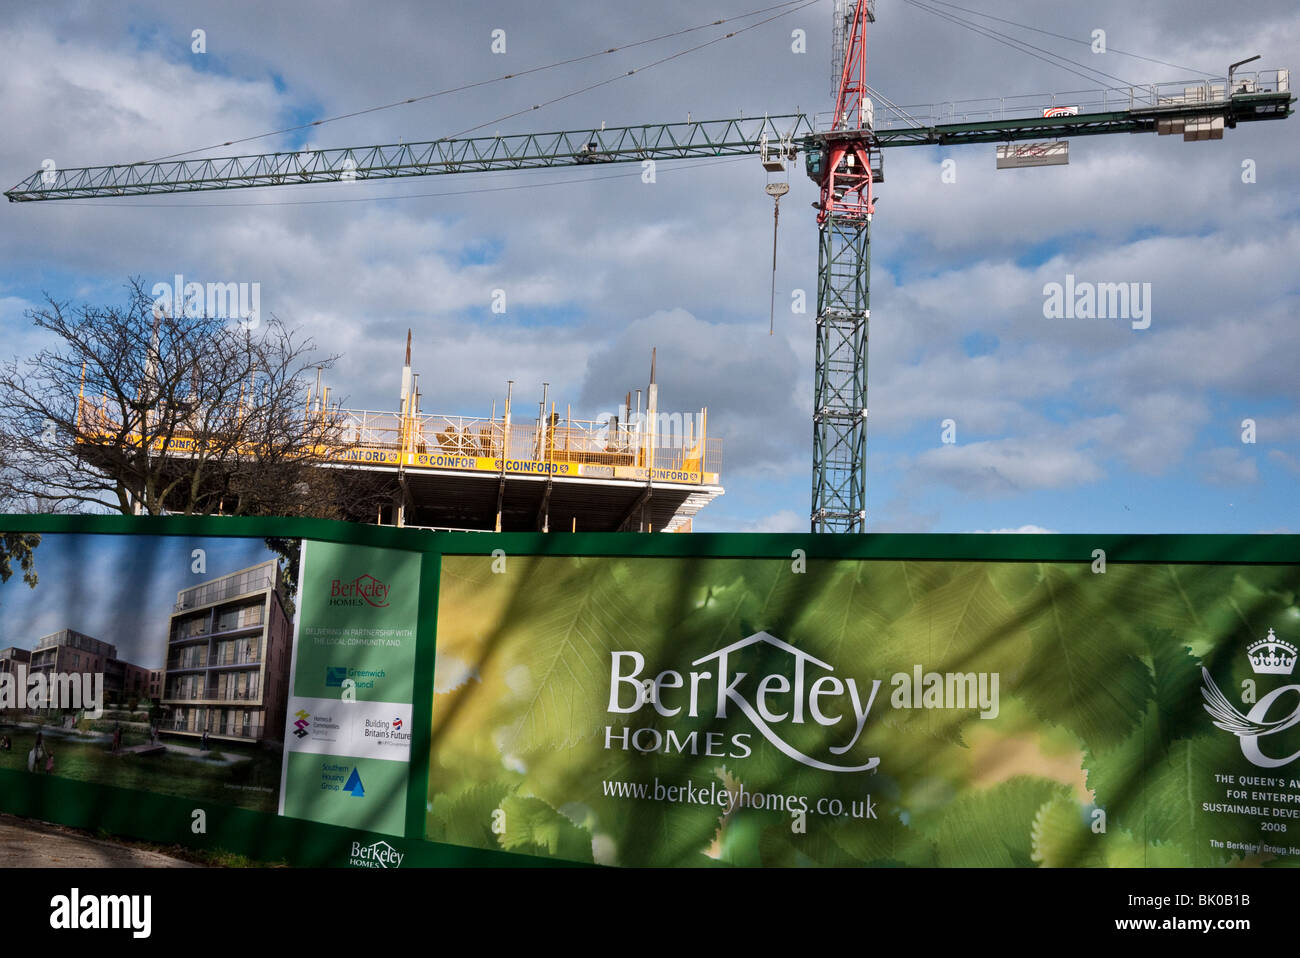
(668, 711)
(713, 700)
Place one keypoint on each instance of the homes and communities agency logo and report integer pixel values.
(1268, 656)
(378, 855)
(363, 590)
(790, 696)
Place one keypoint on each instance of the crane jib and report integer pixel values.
(670, 141)
(699, 139)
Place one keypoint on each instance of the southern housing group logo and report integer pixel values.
(1268, 656)
(335, 777)
(363, 590)
(773, 701)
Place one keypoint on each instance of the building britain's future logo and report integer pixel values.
(1268, 656)
(363, 590)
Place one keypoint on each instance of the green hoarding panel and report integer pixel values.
(348, 740)
(390, 698)
(681, 711)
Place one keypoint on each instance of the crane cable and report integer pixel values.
(891, 104)
(1021, 45)
(628, 73)
(1062, 36)
(796, 4)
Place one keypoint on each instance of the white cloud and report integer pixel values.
(1006, 466)
(1284, 428)
(1021, 530)
(1285, 460)
(786, 520)
(1228, 466)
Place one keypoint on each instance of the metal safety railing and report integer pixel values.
(674, 441)
(665, 441)
(202, 661)
(222, 589)
(214, 726)
(214, 697)
(888, 116)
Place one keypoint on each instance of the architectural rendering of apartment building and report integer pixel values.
(69, 652)
(17, 663)
(226, 669)
(12, 657)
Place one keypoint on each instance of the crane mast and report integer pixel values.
(845, 162)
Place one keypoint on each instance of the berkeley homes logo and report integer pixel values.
(1268, 656)
(363, 590)
(379, 855)
(790, 696)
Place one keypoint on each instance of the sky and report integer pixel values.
(118, 589)
(1063, 425)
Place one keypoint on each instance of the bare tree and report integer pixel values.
(139, 411)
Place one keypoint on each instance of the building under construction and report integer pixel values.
(534, 468)
(531, 468)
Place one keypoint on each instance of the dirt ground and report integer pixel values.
(27, 843)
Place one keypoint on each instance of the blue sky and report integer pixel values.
(120, 589)
(1063, 425)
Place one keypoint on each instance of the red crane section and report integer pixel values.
(851, 148)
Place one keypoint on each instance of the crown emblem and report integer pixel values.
(1272, 656)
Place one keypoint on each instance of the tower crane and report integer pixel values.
(844, 157)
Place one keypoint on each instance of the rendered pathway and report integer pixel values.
(26, 843)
